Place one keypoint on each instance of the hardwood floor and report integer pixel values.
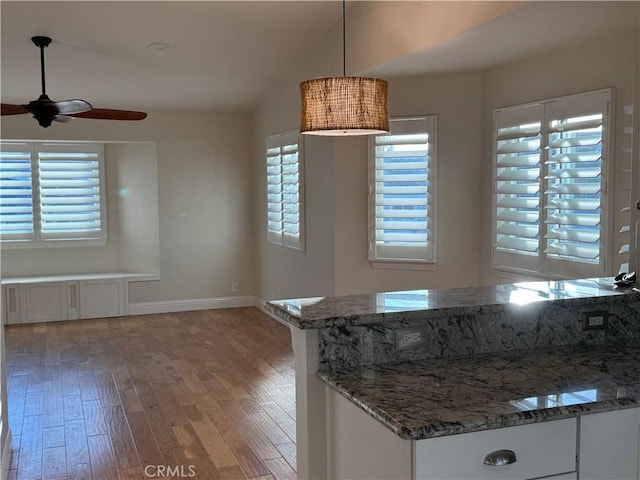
(205, 395)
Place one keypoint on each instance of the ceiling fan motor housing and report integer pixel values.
(43, 110)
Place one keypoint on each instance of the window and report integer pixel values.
(51, 192)
(401, 194)
(284, 191)
(550, 190)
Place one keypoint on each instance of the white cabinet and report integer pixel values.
(68, 297)
(521, 452)
(102, 298)
(45, 302)
(54, 301)
(610, 445)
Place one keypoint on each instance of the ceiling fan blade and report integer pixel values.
(62, 119)
(68, 107)
(9, 109)
(107, 114)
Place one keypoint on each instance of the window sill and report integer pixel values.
(515, 275)
(17, 245)
(288, 250)
(399, 265)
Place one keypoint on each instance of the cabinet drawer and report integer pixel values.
(541, 449)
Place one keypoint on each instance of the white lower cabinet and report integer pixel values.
(521, 452)
(43, 302)
(64, 300)
(102, 298)
(595, 446)
(610, 446)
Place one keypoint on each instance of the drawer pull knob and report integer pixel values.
(500, 458)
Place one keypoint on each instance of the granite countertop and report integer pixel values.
(438, 397)
(370, 309)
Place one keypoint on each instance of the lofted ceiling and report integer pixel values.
(226, 55)
(222, 54)
(532, 30)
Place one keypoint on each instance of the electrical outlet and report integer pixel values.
(409, 338)
(235, 286)
(594, 320)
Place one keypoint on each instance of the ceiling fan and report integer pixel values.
(47, 111)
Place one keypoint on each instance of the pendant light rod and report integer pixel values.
(344, 38)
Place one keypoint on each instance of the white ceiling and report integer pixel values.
(225, 55)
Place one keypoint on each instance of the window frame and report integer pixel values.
(406, 258)
(60, 240)
(542, 264)
(278, 239)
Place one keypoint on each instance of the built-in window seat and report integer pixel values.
(47, 298)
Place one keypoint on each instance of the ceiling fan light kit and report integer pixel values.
(339, 106)
(46, 111)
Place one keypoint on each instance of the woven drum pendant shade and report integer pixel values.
(344, 106)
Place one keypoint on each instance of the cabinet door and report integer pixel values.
(102, 298)
(43, 302)
(610, 445)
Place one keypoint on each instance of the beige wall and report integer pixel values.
(591, 66)
(204, 197)
(336, 183)
(456, 100)
(136, 198)
(283, 273)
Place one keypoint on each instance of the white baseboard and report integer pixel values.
(5, 461)
(190, 305)
(259, 304)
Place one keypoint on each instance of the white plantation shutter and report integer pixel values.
(624, 258)
(401, 192)
(518, 161)
(550, 201)
(284, 191)
(70, 186)
(65, 200)
(16, 192)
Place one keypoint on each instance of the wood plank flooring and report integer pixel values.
(204, 395)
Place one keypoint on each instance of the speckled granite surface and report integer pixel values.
(518, 327)
(437, 397)
(421, 304)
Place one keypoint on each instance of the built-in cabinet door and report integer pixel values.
(610, 445)
(102, 298)
(43, 302)
(69, 300)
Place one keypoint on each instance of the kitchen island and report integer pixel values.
(490, 360)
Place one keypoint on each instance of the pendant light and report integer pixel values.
(337, 106)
